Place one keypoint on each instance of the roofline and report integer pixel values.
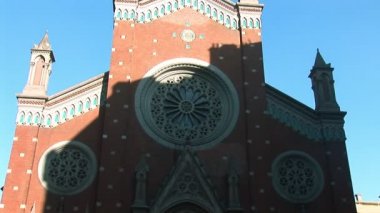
(81, 84)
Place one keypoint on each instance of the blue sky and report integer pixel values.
(346, 32)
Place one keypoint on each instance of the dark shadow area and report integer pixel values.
(179, 140)
(167, 150)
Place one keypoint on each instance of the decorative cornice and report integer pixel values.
(224, 12)
(26, 101)
(63, 106)
(302, 119)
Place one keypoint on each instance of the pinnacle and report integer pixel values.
(44, 43)
(319, 61)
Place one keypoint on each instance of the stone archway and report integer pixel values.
(186, 207)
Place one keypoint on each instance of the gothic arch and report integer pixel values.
(187, 188)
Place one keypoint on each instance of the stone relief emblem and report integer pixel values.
(188, 35)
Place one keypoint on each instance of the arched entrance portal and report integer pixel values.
(186, 208)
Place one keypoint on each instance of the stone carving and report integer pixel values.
(187, 189)
(233, 190)
(186, 108)
(303, 119)
(297, 177)
(186, 103)
(67, 169)
(140, 204)
(188, 35)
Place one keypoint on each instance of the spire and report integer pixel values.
(41, 61)
(44, 43)
(320, 62)
(323, 85)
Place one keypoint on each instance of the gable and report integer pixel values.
(187, 183)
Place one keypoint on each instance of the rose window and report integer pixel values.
(67, 169)
(297, 177)
(187, 105)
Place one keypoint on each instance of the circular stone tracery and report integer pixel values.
(186, 104)
(297, 177)
(67, 168)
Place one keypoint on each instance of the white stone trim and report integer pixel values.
(141, 11)
(60, 104)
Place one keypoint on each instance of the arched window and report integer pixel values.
(29, 118)
(95, 101)
(149, 15)
(228, 21)
(202, 7)
(208, 10)
(250, 23)
(188, 2)
(195, 4)
(169, 7)
(244, 24)
(88, 104)
(221, 17)
(182, 3)
(64, 114)
(257, 24)
(234, 24)
(118, 14)
(72, 111)
(214, 14)
(125, 16)
(38, 73)
(57, 118)
(162, 11)
(48, 121)
(142, 17)
(37, 118)
(176, 5)
(155, 13)
(132, 15)
(80, 107)
(22, 117)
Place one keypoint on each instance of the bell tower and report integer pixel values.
(41, 61)
(323, 85)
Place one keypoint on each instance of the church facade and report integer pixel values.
(183, 121)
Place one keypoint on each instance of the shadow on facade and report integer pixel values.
(176, 141)
(163, 155)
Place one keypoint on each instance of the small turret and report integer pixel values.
(41, 61)
(323, 85)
